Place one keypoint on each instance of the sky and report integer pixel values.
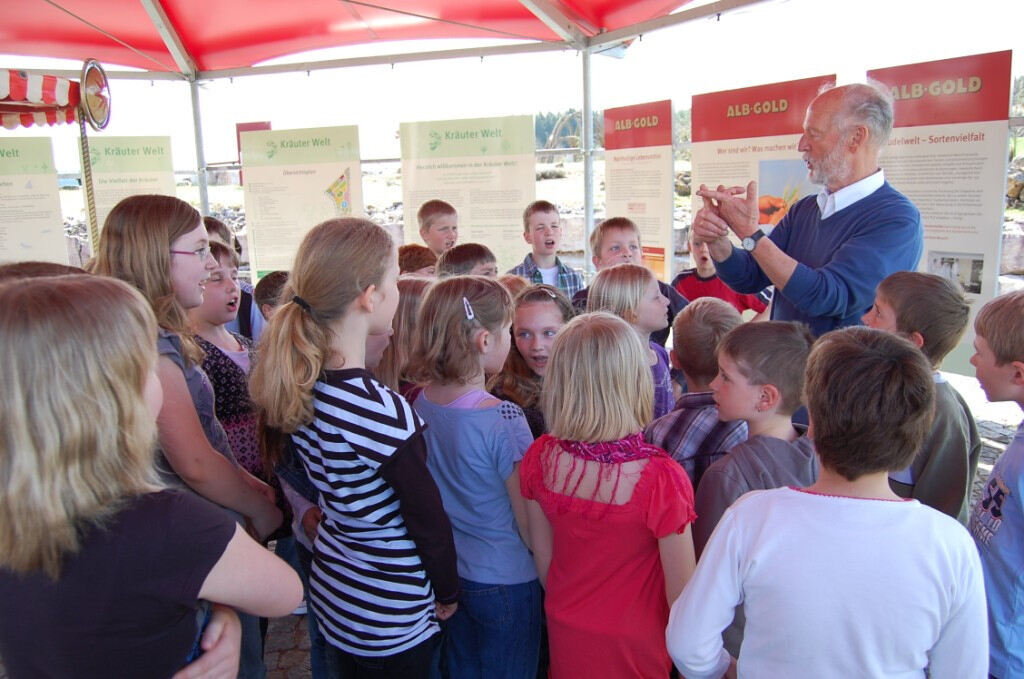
(770, 42)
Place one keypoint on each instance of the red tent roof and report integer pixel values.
(223, 34)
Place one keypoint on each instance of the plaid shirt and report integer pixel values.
(569, 281)
(693, 435)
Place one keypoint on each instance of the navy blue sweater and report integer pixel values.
(841, 259)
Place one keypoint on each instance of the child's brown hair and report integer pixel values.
(696, 332)
(413, 257)
(268, 289)
(535, 207)
(451, 312)
(1001, 323)
(930, 305)
(461, 259)
(394, 363)
(772, 352)
(871, 397)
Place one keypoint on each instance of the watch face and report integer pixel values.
(749, 243)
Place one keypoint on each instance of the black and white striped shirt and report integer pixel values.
(384, 529)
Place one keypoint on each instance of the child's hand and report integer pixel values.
(730, 672)
(221, 643)
(445, 611)
(311, 521)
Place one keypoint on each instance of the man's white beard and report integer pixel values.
(831, 168)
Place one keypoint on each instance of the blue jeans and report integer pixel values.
(317, 644)
(495, 632)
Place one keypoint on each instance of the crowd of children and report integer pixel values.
(472, 478)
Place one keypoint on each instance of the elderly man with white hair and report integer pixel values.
(829, 252)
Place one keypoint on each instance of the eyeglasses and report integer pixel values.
(201, 253)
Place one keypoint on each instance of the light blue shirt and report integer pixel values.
(1002, 555)
(470, 454)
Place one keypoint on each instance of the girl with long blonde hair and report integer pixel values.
(631, 292)
(96, 556)
(609, 515)
(384, 562)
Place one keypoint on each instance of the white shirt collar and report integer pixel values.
(831, 203)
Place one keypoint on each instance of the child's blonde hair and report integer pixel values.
(535, 207)
(135, 246)
(336, 261)
(602, 229)
(598, 384)
(77, 435)
(451, 312)
(431, 210)
(619, 290)
(516, 380)
(1001, 323)
(394, 363)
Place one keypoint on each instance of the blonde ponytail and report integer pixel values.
(337, 260)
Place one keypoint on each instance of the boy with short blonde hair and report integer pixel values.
(439, 225)
(999, 364)
(542, 229)
(932, 312)
(692, 433)
(616, 240)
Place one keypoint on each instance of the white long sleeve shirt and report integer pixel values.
(834, 587)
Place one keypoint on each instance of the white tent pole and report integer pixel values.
(588, 166)
(197, 126)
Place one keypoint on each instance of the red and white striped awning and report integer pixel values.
(27, 100)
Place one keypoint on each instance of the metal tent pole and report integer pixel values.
(588, 167)
(197, 126)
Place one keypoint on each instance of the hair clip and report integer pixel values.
(468, 309)
(302, 303)
(550, 293)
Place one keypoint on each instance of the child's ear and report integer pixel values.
(364, 300)
(482, 340)
(916, 338)
(1018, 373)
(266, 310)
(770, 398)
(526, 236)
(674, 360)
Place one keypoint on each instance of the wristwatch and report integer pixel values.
(750, 242)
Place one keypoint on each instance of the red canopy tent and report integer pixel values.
(197, 40)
